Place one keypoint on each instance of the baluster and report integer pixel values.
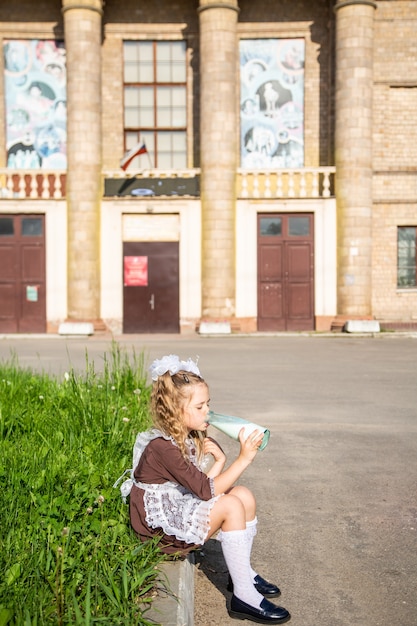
(303, 190)
(326, 184)
(315, 189)
(267, 192)
(58, 187)
(291, 191)
(255, 185)
(279, 192)
(9, 185)
(22, 186)
(45, 186)
(33, 186)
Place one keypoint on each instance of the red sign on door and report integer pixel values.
(135, 271)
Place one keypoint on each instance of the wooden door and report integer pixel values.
(22, 274)
(285, 272)
(151, 287)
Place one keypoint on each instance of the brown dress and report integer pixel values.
(162, 463)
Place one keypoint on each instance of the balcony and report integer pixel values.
(152, 182)
(313, 182)
(32, 184)
(309, 182)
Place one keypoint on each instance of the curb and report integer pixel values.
(174, 602)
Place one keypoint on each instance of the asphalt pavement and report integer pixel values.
(336, 486)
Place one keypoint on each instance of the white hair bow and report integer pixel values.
(172, 364)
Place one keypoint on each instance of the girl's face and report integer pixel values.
(195, 411)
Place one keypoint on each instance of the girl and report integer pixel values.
(175, 497)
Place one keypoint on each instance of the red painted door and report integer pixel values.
(151, 287)
(285, 272)
(22, 274)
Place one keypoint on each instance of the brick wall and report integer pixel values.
(388, 302)
(395, 153)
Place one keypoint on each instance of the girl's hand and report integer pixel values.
(213, 448)
(249, 446)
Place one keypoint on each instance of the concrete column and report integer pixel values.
(353, 153)
(219, 153)
(82, 26)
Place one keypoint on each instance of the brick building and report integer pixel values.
(272, 184)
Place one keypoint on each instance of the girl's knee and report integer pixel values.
(227, 513)
(232, 502)
(244, 494)
(248, 500)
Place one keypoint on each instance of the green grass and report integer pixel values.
(67, 552)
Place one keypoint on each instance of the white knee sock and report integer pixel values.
(235, 546)
(251, 528)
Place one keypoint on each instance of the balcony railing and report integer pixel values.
(32, 184)
(309, 182)
(315, 182)
(152, 182)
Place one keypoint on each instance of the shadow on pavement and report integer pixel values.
(210, 563)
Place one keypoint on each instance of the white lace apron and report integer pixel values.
(169, 506)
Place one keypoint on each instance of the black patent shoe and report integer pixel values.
(267, 613)
(262, 586)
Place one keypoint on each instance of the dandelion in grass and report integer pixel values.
(125, 420)
(66, 376)
(89, 510)
(41, 398)
(100, 500)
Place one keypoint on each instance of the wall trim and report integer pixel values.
(218, 5)
(87, 7)
(346, 3)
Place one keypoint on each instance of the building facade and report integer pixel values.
(216, 161)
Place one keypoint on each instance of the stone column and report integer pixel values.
(82, 26)
(353, 153)
(219, 94)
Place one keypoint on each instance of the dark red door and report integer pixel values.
(285, 272)
(151, 287)
(22, 274)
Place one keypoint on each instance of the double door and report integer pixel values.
(285, 272)
(22, 274)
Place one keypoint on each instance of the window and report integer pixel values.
(155, 111)
(270, 226)
(299, 226)
(406, 267)
(6, 227)
(32, 227)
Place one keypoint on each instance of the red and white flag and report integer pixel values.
(140, 148)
